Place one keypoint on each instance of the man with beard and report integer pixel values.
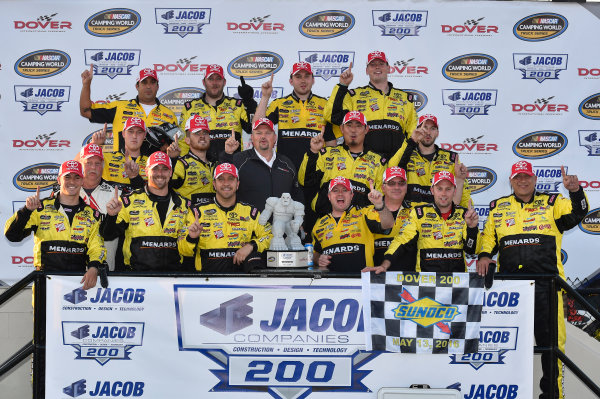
(263, 172)
(352, 160)
(65, 229)
(226, 236)
(223, 113)
(422, 158)
(145, 106)
(443, 232)
(525, 229)
(192, 174)
(390, 111)
(153, 220)
(343, 239)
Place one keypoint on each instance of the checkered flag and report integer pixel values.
(46, 17)
(115, 97)
(472, 140)
(186, 60)
(422, 312)
(403, 63)
(543, 100)
(45, 136)
(473, 22)
(259, 19)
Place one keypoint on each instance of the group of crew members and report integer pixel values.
(379, 194)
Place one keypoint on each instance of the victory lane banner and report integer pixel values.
(423, 312)
(261, 338)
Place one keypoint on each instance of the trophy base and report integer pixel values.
(287, 258)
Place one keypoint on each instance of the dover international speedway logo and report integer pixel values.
(112, 22)
(255, 65)
(42, 64)
(182, 21)
(540, 144)
(326, 24)
(538, 27)
(399, 23)
(469, 67)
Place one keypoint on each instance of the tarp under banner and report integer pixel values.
(507, 81)
(282, 338)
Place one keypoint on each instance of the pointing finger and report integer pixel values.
(196, 215)
(116, 193)
(91, 68)
(371, 184)
(233, 134)
(470, 204)
(350, 67)
(272, 75)
(562, 171)
(37, 193)
(104, 128)
(242, 80)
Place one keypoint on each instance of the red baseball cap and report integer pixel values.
(443, 175)
(214, 68)
(376, 55)
(301, 66)
(158, 158)
(394, 171)
(147, 73)
(196, 123)
(226, 168)
(262, 121)
(91, 150)
(355, 116)
(522, 167)
(131, 122)
(428, 117)
(70, 167)
(340, 181)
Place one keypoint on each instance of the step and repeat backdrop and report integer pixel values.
(507, 80)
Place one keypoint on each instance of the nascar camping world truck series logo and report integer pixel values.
(469, 67)
(540, 144)
(42, 64)
(255, 65)
(538, 27)
(326, 24)
(113, 22)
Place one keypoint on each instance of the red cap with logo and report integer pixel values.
(443, 175)
(262, 121)
(147, 73)
(158, 158)
(214, 68)
(342, 181)
(196, 123)
(376, 55)
(91, 150)
(355, 116)
(394, 171)
(522, 167)
(428, 117)
(301, 66)
(226, 168)
(131, 122)
(70, 167)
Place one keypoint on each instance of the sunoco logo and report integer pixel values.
(174, 99)
(108, 144)
(590, 107)
(425, 312)
(327, 64)
(112, 62)
(469, 67)
(42, 99)
(43, 23)
(471, 27)
(112, 22)
(42, 175)
(538, 27)
(399, 23)
(590, 139)
(480, 178)
(469, 102)
(591, 222)
(418, 98)
(549, 178)
(540, 144)
(255, 65)
(403, 68)
(42, 64)
(183, 21)
(540, 66)
(326, 24)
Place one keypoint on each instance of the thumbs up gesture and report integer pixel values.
(114, 205)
